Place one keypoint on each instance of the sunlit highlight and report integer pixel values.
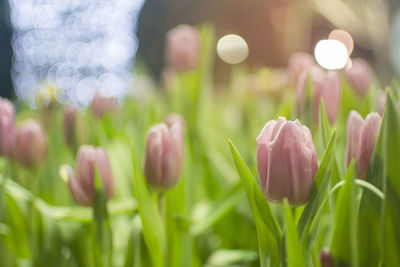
(232, 49)
(331, 54)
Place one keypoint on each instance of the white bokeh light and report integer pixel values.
(232, 49)
(331, 54)
(77, 46)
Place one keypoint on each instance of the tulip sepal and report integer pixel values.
(102, 235)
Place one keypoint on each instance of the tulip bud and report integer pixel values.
(81, 185)
(31, 144)
(7, 127)
(361, 138)
(298, 62)
(175, 118)
(359, 76)
(74, 128)
(325, 258)
(163, 160)
(286, 161)
(326, 86)
(182, 48)
(102, 104)
(381, 99)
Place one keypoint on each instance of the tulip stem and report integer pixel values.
(33, 226)
(161, 205)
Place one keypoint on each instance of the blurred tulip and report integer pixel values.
(82, 185)
(31, 144)
(7, 127)
(325, 258)
(102, 104)
(74, 128)
(361, 138)
(182, 48)
(298, 62)
(163, 162)
(286, 161)
(381, 99)
(326, 86)
(175, 118)
(359, 76)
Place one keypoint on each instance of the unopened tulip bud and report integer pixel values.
(359, 76)
(175, 118)
(182, 48)
(361, 139)
(299, 62)
(163, 160)
(102, 104)
(325, 258)
(74, 128)
(381, 98)
(286, 161)
(31, 144)
(7, 127)
(325, 86)
(82, 183)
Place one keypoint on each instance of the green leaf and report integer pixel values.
(294, 249)
(219, 209)
(152, 224)
(223, 258)
(102, 236)
(268, 231)
(344, 245)
(319, 190)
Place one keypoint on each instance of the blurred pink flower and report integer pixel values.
(82, 184)
(361, 138)
(298, 62)
(286, 161)
(31, 144)
(182, 47)
(359, 76)
(101, 104)
(326, 86)
(163, 162)
(7, 127)
(174, 118)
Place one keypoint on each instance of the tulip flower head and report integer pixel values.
(182, 48)
(174, 118)
(31, 144)
(361, 139)
(359, 76)
(286, 161)
(325, 258)
(163, 160)
(82, 183)
(298, 62)
(101, 104)
(326, 86)
(7, 127)
(74, 128)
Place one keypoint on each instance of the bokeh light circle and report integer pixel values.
(331, 54)
(344, 37)
(232, 49)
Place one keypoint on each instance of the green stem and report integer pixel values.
(33, 218)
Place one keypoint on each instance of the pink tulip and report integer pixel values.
(175, 118)
(163, 160)
(7, 127)
(101, 104)
(326, 86)
(298, 62)
(31, 144)
(286, 161)
(361, 138)
(182, 48)
(82, 184)
(70, 114)
(359, 76)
